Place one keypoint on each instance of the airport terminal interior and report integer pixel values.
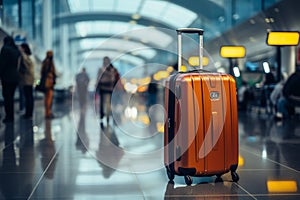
(77, 154)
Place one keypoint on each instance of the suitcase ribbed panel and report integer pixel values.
(205, 124)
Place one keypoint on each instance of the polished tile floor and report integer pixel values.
(73, 157)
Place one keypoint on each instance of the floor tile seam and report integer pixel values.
(292, 169)
(247, 192)
(3, 172)
(262, 169)
(44, 172)
(277, 194)
(138, 183)
(14, 141)
(207, 195)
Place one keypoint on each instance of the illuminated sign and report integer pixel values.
(194, 61)
(279, 38)
(282, 186)
(183, 68)
(233, 51)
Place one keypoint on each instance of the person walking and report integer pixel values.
(82, 82)
(26, 71)
(49, 72)
(108, 76)
(152, 93)
(290, 96)
(9, 63)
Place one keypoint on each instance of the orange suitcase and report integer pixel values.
(201, 128)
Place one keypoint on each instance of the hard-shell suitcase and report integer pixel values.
(201, 128)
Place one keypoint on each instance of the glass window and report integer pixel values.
(27, 17)
(11, 13)
(38, 22)
(174, 16)
(127, 6)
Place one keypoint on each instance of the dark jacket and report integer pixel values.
(291, 88)
(9, 56)
(107, 79)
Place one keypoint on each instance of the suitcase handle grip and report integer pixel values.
(189, 30)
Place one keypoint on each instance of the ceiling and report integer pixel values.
(130, 28)
(138, 32)
(252, 34)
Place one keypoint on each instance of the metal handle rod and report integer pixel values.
(179, 51)
(189, 30)
(200, 51)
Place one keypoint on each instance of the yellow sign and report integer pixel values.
(183, 68)
(194, 61)
(233, 51)
(288, 38)
(161, 75)
(282, 186)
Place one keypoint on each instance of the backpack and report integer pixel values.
(107, 79)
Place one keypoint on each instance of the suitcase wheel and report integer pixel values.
(188, 180)
(219, 179)
(170, 174)
(235, 177)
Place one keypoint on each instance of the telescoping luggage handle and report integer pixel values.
(189, 30)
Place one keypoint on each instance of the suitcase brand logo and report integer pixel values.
(214, 95)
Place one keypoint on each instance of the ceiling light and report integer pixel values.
(136, 16)
(221, 19)
(252, 21)
(132, 22)
(235, 16)
(266, 67)
(267, 20)
(236, 72)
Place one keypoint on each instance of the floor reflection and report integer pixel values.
(203, 190)
(82, 141)
(108, 154)
(18, 161)
(48, 151)
(60, 160)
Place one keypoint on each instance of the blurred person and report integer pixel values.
(82, 82)
(268, 85)
(9, 62)
(21, 99)
(108, 76)
(27, 79)
(243, 95)
(49, 72)
(276, 94)
(269, 79)
(152, 93)
(290, 96)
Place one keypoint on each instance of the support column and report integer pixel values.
(288, 59)
(47, 24)
(74, 63)
(1, 13)
(64, 42)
